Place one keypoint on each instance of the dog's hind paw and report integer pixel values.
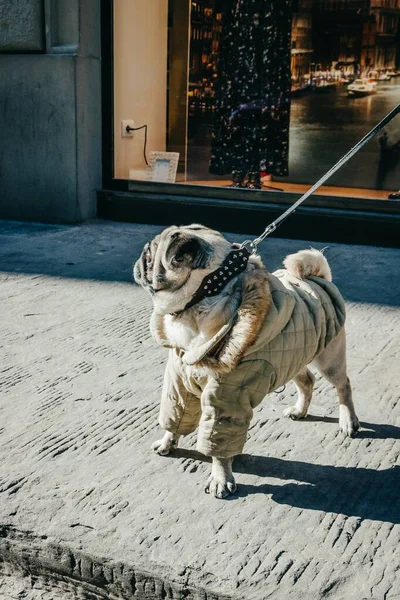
(348, 423)
(294, 412)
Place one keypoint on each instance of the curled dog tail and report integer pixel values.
(308, 262)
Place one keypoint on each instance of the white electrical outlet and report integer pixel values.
(127, 123)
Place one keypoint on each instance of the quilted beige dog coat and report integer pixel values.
(304, 317)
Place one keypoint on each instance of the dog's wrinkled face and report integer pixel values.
(173, 264)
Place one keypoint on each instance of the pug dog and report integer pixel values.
(235, 333)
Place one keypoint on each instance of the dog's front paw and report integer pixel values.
(166, 444)
(221, 482)
(294, 412)
(348, 422)
(220, 487)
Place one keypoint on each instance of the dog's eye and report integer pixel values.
(177, 259)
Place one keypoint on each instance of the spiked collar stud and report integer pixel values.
(213, 284)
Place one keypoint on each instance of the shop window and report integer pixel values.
(338, 67)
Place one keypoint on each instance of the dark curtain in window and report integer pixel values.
(251, 125)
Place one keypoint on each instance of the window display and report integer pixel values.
(260, 94)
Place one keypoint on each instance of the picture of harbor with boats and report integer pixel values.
(355, 43)
(356, 86)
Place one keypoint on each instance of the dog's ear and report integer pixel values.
(190, 251)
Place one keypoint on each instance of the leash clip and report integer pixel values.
(252, 245)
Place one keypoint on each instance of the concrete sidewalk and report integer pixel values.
(85, 504)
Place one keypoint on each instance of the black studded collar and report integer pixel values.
(234, 264)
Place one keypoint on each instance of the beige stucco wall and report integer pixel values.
(140, 79)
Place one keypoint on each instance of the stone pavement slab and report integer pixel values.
(88, 511)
